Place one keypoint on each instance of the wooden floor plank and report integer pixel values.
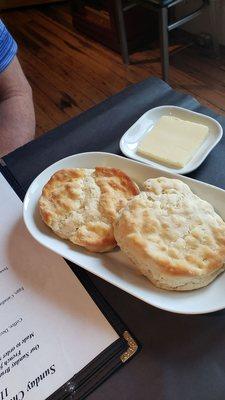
(49, 79)
(108, 82)
(66, 105)
(70, 72)
(57, 51)
(60, 68)
(43, 121)
(94, 51)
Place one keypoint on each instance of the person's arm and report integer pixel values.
(17, 119)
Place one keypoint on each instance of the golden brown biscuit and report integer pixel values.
(82, 204)
(173, 237)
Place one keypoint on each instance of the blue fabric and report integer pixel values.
(8, 47)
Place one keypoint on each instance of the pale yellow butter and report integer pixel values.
(173, 141)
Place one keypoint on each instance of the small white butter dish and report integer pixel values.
(131, 139)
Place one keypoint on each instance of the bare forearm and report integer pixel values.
(17, 122)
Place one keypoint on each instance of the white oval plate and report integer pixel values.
(131, 138)
(114, 266)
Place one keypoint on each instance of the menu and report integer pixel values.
(50, 328)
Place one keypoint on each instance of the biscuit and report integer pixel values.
(172, 236)
(81, 205)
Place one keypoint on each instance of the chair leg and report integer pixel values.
(122, 31)
(213, 22)
(164, 43)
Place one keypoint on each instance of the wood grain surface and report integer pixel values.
(70, 73)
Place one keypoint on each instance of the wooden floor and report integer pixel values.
(70, 73)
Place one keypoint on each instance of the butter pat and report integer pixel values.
(173, 141)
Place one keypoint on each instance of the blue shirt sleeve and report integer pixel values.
(8, 47)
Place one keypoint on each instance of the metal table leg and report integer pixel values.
(122, 31)
(213, 22)
(164, 43)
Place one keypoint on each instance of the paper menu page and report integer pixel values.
(50, 328)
